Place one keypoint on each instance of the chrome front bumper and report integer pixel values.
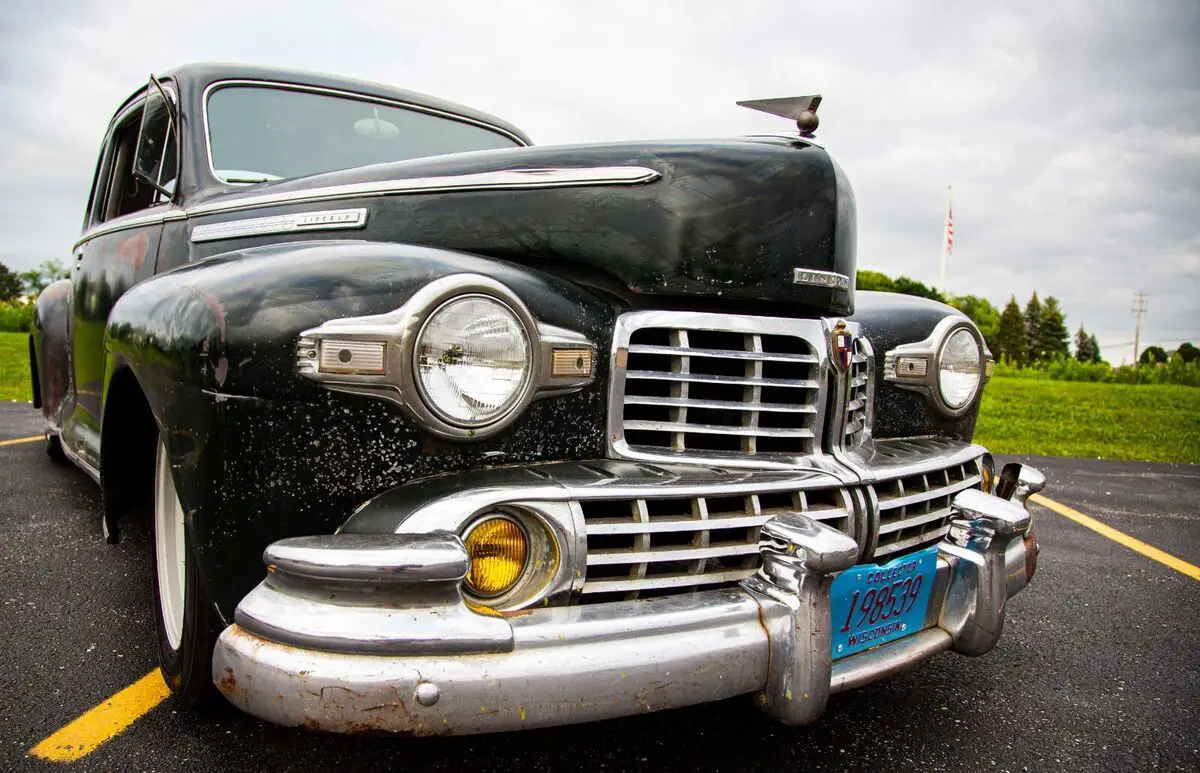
(353, 633)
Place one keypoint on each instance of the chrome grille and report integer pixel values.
(711, 392)
(914, 510)
(647, 547)
(857, 396)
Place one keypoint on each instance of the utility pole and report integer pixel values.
(1139, 308)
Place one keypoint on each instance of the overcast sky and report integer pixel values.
(1070, 129)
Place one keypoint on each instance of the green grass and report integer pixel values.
(14, 367)
(1145, 422)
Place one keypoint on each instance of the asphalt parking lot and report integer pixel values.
(1099, 667)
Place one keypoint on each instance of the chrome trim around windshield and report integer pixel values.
(518, 179)
(337, 93)
(325, 220)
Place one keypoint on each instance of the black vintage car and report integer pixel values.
(524, 436)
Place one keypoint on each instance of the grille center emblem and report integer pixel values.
(841, 346)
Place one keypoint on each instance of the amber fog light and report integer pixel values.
(497, 548)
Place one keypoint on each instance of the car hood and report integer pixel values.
(728, 219)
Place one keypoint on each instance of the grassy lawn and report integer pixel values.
(14, 367)
(1150, 422)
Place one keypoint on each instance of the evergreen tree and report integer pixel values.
(1010, 334)
(1096, 350)
(1086, 348)
(1053, 336)
(1083, 345)
(1033, 331)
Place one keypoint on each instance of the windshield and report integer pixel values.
(259, 133)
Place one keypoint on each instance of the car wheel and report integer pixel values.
(54, 448)
(184, 615)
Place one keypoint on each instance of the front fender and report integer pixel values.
(889, 320)
(261, 454)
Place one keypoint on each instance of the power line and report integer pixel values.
(1139, 308)
(1159, 342)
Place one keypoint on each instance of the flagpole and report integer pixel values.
(947, 244)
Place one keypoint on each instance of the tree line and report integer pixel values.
(1029, 337)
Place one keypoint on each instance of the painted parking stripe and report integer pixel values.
(92, 728)
(1149, 551)
(18, 441)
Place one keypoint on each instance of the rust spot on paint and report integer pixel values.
(132, 250)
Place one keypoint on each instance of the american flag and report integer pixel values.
(949, 225)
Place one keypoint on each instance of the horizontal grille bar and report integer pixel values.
(706, 378)
(718, 405)
(716, 429)
(663, 526)
(905, 545)
(732, 354)
(919, 520)
(668, 581)
(889, 503)
(670, 554)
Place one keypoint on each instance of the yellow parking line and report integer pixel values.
(1149, 551)
(31, 439)
(87, 731)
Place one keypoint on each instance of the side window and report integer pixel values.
(141, 161)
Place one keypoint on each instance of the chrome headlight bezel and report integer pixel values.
(515, 404)
(917, 366)
(391, 375)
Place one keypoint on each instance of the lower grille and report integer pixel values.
(914, 511)
(638, 548)
(641, 548)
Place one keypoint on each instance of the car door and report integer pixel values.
(117, 251)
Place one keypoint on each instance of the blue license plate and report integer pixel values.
(871, 604)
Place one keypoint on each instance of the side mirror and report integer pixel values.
(156, 161)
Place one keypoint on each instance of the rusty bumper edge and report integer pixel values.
(573, 675)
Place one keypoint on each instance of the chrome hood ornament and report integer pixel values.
(802, 110)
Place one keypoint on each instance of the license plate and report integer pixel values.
(871, 604)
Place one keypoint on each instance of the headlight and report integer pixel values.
(472, 361)
(958, 369)
(948, 365)
(463, 357)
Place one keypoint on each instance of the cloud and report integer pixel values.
(1070, 130)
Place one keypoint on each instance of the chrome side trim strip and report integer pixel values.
(503, 179)
(518, 179)
(129, 222)
(325, 220)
